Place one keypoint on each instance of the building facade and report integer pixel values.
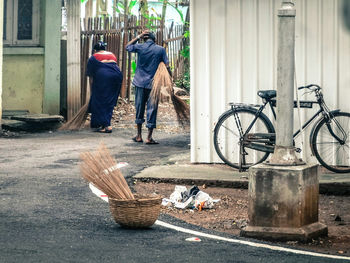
(31, 55)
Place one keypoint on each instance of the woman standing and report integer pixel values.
(105, 82)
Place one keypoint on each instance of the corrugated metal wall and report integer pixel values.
(233, 55)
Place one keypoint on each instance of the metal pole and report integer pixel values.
(284, 151)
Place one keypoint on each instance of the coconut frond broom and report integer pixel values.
(79, 119)
(162, 88)
(100, 169)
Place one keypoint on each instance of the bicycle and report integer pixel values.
(254, 135)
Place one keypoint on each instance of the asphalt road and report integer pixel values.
(48, 213)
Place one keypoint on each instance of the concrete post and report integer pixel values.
(53, 23)
(1, 33)
(283, 194)
(284, 151)
(74, 102)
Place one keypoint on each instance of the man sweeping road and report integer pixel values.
(148, 59)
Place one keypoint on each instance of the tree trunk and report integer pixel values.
(162, 22)
(143, 9)
(89, 9)
(115, 4)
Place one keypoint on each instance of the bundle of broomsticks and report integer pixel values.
(99, 168)
(162, 90)
(79, 119)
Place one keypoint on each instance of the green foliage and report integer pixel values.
(187, 34)
(151, 22)
(177, 9)
(120, 8)
(185, 52)
(133, 67)
(132, 4)
(184, 81)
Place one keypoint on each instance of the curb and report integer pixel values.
(326, 188)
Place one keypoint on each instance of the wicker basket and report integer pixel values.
(140, 212)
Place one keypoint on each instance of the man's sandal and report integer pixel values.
(104, 130)
(151, 141)
(136, 140)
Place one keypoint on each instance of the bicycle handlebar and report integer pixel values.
(309, 87)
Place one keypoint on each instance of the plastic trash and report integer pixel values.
(176, 196)
(193, 239)
(192, 192)
(188, 204)
(203, 200)
(193, 198)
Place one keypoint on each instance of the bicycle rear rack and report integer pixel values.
(237, 105)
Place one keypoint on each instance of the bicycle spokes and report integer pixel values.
(339, 127)
(330, 142)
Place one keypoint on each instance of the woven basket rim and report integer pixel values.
(138, 198)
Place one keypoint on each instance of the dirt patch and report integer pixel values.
(231, 214)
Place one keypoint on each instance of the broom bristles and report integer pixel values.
(182, 110)
(79, 119)
(96, 168)
(162, 88)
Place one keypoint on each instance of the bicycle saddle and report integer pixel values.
(267, 94)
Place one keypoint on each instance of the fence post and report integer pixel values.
(124, 52)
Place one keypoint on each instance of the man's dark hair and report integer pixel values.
(150, 35)
(100, 45)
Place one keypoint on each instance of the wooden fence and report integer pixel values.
(116, 34)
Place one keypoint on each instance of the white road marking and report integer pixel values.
(249, 243)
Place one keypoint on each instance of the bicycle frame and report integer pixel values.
(265, 142)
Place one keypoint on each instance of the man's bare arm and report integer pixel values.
(133, 41)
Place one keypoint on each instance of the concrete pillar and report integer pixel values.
(283, 193)
(1, 33)
(73, 58)
(283, 203)
(284, 151)
(51, 104)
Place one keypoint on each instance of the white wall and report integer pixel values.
(233, 55)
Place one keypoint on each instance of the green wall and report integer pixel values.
(31, 74)
(23, 82)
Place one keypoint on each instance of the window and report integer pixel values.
(21, 22)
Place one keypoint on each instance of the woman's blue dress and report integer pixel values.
(107, 80)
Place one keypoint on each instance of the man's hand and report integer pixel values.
(144, 32)
(133, 41)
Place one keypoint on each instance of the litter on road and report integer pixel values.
(193, 239)
(193, 198)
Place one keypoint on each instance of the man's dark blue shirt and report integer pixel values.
(149, 55)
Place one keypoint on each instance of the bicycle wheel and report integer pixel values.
(227, 136)
(329, 151)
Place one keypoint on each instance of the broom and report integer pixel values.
(79, 119)
(99, 168)
(162, 88)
